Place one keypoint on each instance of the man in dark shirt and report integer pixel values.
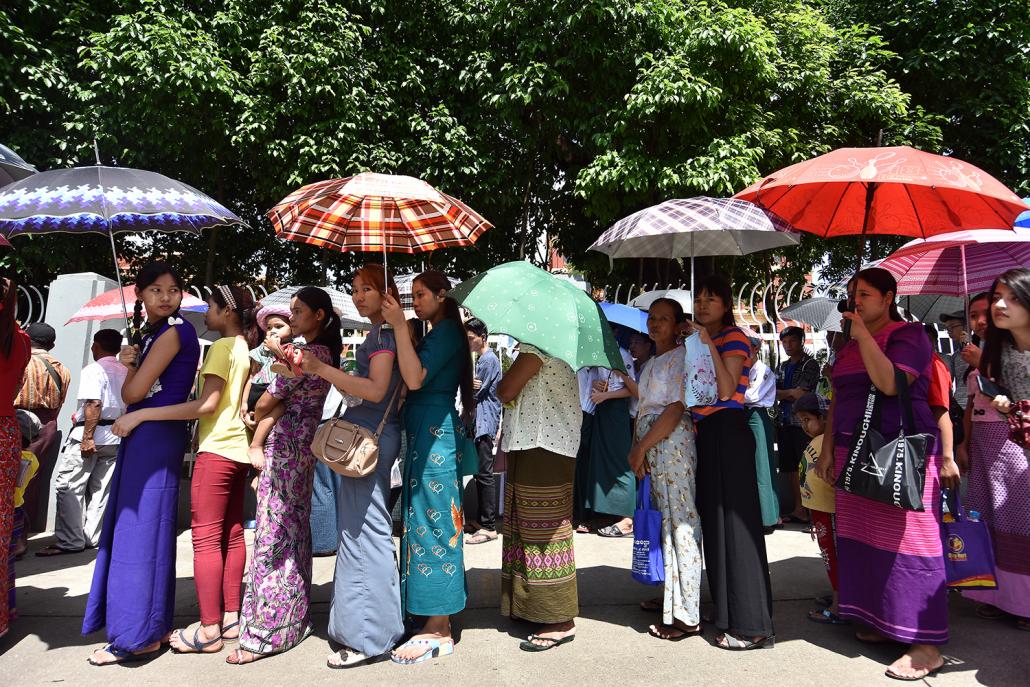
(797, 375)
(488, 417)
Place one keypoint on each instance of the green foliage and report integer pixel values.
(555, 117)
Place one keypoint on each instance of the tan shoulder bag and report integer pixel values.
(349, 449)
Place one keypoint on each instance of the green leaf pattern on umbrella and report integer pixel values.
(539, 309)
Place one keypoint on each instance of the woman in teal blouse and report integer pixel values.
(432, 564)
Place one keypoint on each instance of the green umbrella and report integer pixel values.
(539, 309)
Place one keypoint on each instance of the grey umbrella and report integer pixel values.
(342, 303)
(12, 167)
(819, 313)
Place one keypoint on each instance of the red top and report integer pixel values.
(939, 393)
(12, 369)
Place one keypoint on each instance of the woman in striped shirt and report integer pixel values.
(727, 483)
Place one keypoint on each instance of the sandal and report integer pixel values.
(930, 672)
(481, 537)
(827, 617)
(123, 656)
(731, 643)
(664, 631)
(436, 649)
(196, 646)
(613, 531)
(349, 658)
(229, 627)
(989, 612)
(55, 550)
(528, 645)
(655, 605)
(824, 601)
(239, 657)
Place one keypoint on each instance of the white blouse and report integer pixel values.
(661, 382)
(547, 413)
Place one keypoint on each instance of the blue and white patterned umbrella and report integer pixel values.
(105, 200)
(12, 167)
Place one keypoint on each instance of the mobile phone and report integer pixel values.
(991, 389)
(846, 305)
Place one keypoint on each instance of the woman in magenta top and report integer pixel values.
(891, 562)
(14, 356)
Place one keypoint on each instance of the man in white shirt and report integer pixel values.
(758, 399)
(87, 462)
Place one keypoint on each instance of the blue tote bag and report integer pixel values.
(648, 561)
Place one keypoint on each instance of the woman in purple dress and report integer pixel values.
(275, 615)
(133, 591)
(890, 560)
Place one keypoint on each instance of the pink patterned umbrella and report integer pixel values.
(108, 305)
(958, 263)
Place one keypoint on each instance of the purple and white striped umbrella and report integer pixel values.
(692, 227)
(958, 263)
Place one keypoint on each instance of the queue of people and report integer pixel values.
(575, 446)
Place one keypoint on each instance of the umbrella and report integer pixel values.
(958, 263)
(108, 305)
(533, 306)
(929, 307)
(893, 191)
(819, 313)
(689, 227)
(1024, 218)
(627, 316)
(106, 200)
(342, 303)
(12, 167)
(376, 212)
(4, 243)
(644, 300)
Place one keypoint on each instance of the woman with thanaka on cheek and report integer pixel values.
(133, 590)
(365, 614)
(432, 561)
(276, 612)
(220, 470)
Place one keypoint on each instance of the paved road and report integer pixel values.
(612, 647)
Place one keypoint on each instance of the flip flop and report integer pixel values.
(613, 531)
(528, 645)
(123, 656)
(353, 659)
(480, 538)
(237, 654)
(731, 643)
(827, 617)
(904, 678)
(196, 646)
(55, 550)
(437, 649)
(683, 634)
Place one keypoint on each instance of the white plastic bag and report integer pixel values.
(700, 386)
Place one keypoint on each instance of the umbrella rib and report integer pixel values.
(836, 208)
(915, 210)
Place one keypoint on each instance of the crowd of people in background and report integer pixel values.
(575, 444)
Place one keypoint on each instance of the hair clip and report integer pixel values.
(227, 296)
(174, 321)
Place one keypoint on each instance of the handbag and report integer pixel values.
(890, 471)
(348, 449)
(1019, 423)
(700, 386)
(648, 560)
(968, 553)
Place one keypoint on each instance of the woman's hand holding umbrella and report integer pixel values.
(393, 313)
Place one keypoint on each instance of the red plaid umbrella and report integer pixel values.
(893, 191)
(376, 212)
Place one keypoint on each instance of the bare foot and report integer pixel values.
(871, 637)
(916, 663)
(553, 631)
(242, 656)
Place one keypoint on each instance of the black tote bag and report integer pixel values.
(892, 471)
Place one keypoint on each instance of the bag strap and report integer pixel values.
(389, 407)
(644, 493)
(905, 401)
(52, 372)
(870, 419)
(954, 500)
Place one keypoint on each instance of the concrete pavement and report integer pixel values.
(612, 646)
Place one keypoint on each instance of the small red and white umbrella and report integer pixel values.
(108, 306)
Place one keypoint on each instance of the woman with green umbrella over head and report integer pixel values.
(432, 561)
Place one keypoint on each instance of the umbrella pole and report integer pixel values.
(965, 286)
(110, 235)
(870, 191)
